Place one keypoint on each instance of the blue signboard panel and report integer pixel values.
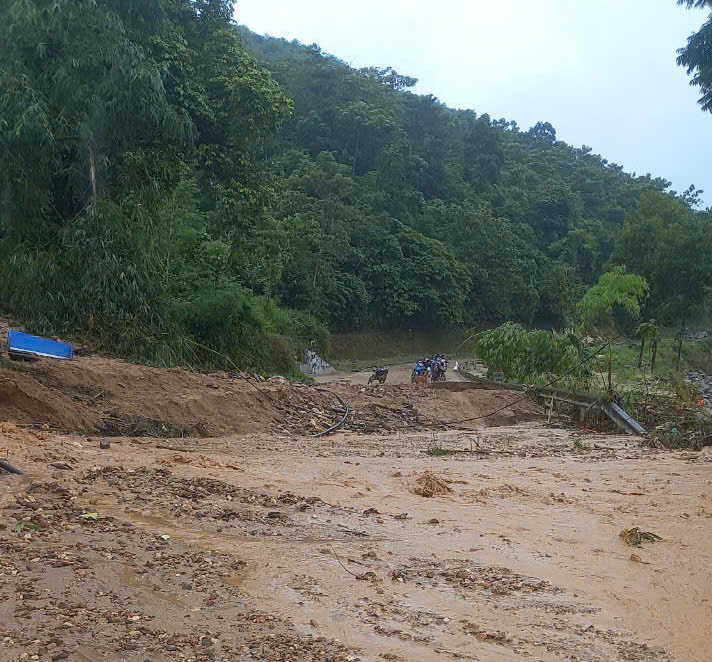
(23, 344)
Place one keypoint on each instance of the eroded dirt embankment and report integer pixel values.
(94, 395)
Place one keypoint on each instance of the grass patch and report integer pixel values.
(698, 354)
(625, 362)
(440, 452)
(628, 376)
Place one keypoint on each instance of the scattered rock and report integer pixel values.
(367, 577)
(398, 575)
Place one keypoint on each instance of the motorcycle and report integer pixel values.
(420, 368)
(380, 375)
(439, 370)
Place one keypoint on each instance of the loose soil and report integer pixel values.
(429, 485)
(256, 541)
(95, 395)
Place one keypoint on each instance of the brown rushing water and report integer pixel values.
(521, 560)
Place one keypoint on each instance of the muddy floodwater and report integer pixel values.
(274, 546)
(520, 559)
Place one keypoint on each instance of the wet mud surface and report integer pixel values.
(398, 538)
(276, 547)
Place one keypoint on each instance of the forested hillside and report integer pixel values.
(403, 211)
(175, 186)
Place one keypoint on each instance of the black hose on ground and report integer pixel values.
(336, 426)
(9, 468)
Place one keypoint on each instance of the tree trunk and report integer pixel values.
(654, 354)
(679, 345)
(642, 349)
(610, 368)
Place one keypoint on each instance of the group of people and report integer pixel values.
(433, 368)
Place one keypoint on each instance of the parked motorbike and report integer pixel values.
(380, 375)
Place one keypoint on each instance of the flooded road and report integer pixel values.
(287, 548)
(526, 549)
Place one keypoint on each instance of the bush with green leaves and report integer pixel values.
(535, 357)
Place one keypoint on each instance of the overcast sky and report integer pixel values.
(602, 72)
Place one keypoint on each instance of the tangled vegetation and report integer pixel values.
(181, 190)
(535, 357)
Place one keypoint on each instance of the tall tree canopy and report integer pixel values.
(696, 56)
(180, 189)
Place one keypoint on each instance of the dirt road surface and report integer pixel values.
(498, 542)
(397, 374)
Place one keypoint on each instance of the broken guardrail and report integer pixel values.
(585, 403)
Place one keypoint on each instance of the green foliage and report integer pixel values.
(531, 219)
(534, 357)
(616, 295)
(615, 289)
(183, 190)
(133, 137)
(696, 56)
(648, 330)
(671, 247)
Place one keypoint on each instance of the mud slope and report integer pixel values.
(92, 394)
(24, 400)
(113, 397)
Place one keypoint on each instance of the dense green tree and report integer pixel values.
(671, 246)
(696, 56)
(181, 188)
(615, 290)
(132, 137)
(534, 357)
